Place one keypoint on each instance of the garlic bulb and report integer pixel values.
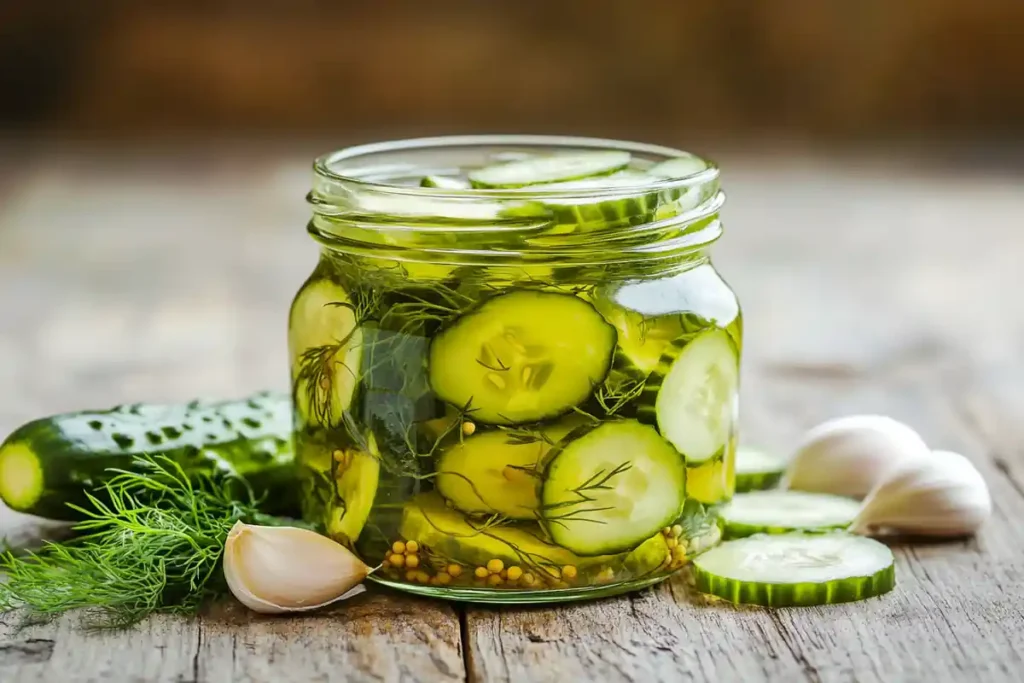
(849, 455)
(286, 569)
(941, 495)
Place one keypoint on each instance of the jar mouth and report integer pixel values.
(349, 165)
(367, 200)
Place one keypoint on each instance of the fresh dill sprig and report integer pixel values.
(152, 544)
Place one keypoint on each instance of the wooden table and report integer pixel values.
(868, 287)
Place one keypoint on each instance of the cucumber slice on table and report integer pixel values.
(690, 396)
(606, 488)
(796, 569)
(356, 479)
(521, 357)
(444, 182)
(51, 462)
(326, 348)
(495, 472)
(549, 169)
(776, 512)
(757, 470)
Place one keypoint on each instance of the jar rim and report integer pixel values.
(325, 166)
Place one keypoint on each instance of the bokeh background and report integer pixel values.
(154, 157)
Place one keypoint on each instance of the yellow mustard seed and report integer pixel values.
(339, 456)
(494, 580)
(468, 428)
(410, 575)
(503, 574)
(495, 566)
(325, 383)
(529, 579)
(671, 542)
(667, 530)
(455, 570)
(412, 547)
(514, 573)
(422, 576)
(561, 584)
(398, 547)
(677, 530)
(386, 564)
(481, 572)
(569, 572)
(444, 578)
(412, 561)
(397, 560)
(679, 553)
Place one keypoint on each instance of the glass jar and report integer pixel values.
(516, 394)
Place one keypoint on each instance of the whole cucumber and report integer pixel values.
(51, 462)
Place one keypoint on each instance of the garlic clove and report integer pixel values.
(848, 456)
(942, 495)
(287, 569)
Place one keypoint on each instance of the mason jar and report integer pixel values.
(515, 370)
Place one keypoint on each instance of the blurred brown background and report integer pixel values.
(663, 70)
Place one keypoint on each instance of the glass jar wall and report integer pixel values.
(514, 367)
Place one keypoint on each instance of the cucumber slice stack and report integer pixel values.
(757, 470)
(796, 569)
(775, 512)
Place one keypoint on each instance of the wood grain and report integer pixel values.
(868, 286)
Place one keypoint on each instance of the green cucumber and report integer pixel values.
(691, 395)
(757, 470)
(326, 347)
(495, 472)
(796, 569)
(776, 512)
(444, 182)
(51, 462)
(536, 170)
(608, 487)
(356, 478)
(521, 357)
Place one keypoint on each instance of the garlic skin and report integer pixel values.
(272, 570)
(848, 456)
(941, 495)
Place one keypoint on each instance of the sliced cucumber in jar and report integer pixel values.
(691, 395)
(607, 488)
(521, 357)
(444, 182)
(757, 470)
(549, 169)
(679, 167)
(325, 342)
(796, 569)
(776, 512)
(356, 479)
(496, 472)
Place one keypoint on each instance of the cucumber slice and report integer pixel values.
(691, 395)
(550, 169)
(496, 472)
(796, 569)
(607, 488)
(444, 211)
(356, 479)
(776, 512)
(757, 470)
(680, 167)
(444, 182)
(428, 521)
(521, 357)
(326, 347)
